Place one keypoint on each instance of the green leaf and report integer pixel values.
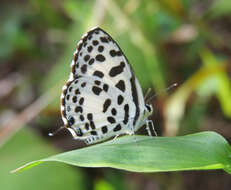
(220, 8)
(201, 151)
(26, 146)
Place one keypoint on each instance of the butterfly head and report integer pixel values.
(146, 113)
(148, 110)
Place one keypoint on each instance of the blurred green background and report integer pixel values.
(166, 41)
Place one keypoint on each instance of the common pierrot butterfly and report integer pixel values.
(102, 97)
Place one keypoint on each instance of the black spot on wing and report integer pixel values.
(95, 42)
(100, 58)
(100, 48)
(120, 99)
(106, 105)
(111, 120)
(117, 69)
(96, 90)
(77, 66)
(81, 100)
(114, 53)
(104, 129)
(92, 124)
(86, 126)
(81, 117)
(113, 111)
(126, 113)
(98, 74)
(93, 133)
(119, 53)
(83, 84)
(90, 116)
(77, 91)
(105, 87)
(86, 57)
(97, 82)
(91, 61)
(121, 85)
(104, 39)
(78, 109)
(74, 99)
(89, 49)
(84, 68)
(117, 128)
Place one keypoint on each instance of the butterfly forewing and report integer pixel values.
(102, 97)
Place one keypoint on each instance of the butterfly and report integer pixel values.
(102, 97)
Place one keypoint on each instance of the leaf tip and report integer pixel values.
(26, 166)
(16, 170)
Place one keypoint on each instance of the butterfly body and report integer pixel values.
(102, 97)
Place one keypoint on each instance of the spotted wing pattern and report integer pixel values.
(102, 97)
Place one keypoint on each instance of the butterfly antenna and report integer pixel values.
(147, 93)
(166, 89)
(55, 132)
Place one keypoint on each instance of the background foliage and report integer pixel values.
(181, 41)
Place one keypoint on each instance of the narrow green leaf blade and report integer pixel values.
(201, 151)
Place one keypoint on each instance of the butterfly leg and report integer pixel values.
(131, 131)
(148, 128)
(115, 137)
(149, 125)
(134, 136)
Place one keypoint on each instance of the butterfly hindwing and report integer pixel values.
(90, 112)
(102, 96)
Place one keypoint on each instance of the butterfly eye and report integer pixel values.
(71, 121)
(148, 107)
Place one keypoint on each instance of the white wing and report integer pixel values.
(102, 97)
